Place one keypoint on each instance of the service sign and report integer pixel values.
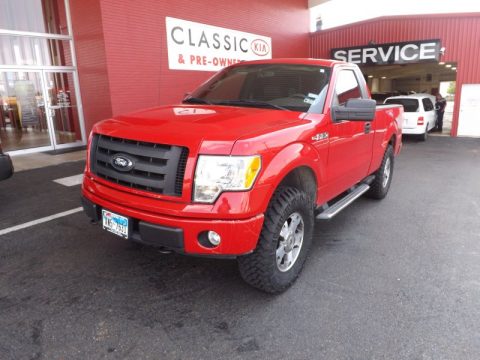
(395, 53)
(196, 46)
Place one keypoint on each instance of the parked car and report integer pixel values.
(380, 97)
(6, 166)
(243, 167)
(419, 113)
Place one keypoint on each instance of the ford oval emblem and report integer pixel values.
(122, 162)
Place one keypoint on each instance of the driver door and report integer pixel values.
(351, 142)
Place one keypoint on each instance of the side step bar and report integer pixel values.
(341, 204)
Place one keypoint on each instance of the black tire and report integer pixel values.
(379, 187)
(260, 268)
(424, 136)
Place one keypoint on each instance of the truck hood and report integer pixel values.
(215, 127)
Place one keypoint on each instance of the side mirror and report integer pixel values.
(355, 110)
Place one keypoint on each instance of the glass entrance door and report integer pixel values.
(39, 109)
(62, 105)
(24, 123)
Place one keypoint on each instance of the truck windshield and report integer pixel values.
(409, 105)
(277, 86)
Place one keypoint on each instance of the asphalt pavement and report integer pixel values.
(391, 279)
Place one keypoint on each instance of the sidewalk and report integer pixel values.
(39, 160)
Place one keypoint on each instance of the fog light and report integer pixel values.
(214, 238)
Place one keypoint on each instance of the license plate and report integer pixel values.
(115, 223)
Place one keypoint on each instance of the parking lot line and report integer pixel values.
(39, 221)
(70, 180)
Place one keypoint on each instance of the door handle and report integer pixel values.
(368, 127)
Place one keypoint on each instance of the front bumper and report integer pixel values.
(6, 166)
(181, 234)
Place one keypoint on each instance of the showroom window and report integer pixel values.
(40, 105)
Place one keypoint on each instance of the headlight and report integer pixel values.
(215, 174)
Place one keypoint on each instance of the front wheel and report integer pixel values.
(383, 176)
(284, 242)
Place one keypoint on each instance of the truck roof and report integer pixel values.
(300, 61)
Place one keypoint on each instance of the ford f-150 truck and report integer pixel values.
(244, 166)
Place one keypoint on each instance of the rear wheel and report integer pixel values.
(383, 176)
(284, 242)
(424, 136)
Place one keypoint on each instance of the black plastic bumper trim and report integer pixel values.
(143, 232)
(158, 235)
(91, 210)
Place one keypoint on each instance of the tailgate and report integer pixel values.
(410, 120)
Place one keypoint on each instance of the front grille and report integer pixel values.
(156, 168)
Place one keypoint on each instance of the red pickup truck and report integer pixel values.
(244, 166)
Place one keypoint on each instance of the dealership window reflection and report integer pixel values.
(42, 16)
(38, 100)
(31, 51)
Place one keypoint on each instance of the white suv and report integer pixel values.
(419, 113)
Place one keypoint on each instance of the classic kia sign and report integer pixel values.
(395, 53)
(196, 46)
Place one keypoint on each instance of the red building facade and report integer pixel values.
(121, 46)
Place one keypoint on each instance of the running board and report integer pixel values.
(341, 204)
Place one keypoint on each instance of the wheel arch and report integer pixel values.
(392, 141)
(302, 178)
(298, 165)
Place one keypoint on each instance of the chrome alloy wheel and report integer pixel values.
(386, 172)
(290, 242)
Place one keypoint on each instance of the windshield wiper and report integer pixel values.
(194, 100)
(254, 103)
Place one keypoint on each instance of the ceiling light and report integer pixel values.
(448, 65)
(384, 77)
(441, 63)
(454, 68)
(370, 76)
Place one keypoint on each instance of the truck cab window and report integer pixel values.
(347, 87)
